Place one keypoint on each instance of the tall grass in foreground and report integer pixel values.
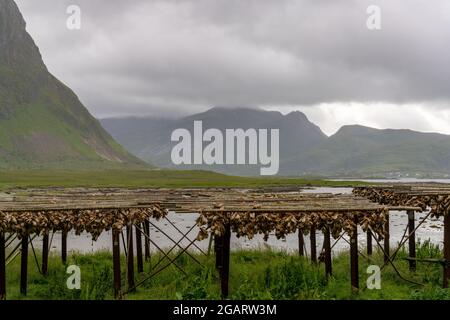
(254, 275)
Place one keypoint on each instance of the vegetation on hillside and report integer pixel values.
(361, 151)
(43, 124)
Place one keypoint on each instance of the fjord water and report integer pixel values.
(430, 230)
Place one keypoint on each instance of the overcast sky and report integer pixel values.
(169, 57)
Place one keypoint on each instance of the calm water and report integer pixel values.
(431, 229)
(403, 180)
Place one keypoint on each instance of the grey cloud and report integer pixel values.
(143, 57)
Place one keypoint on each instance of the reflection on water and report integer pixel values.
(431, 229)
(402, 180)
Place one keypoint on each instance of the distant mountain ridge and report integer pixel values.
(149, 138)
(353, 151)
(358, 150)
(44, 125)
(42, 122)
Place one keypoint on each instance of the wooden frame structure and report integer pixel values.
(247, 213)
(434, 197)
(222, 211)
(24, 213)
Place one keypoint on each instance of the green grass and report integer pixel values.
(148, 178)
(254, 275)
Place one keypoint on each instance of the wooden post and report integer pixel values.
(64, 246)
(210, 243)
(140, 261)
(312, 237)
(45, 248)
(369, 243)
(2, 267)
(354, 267)
(446, 249)
(24, 265)
(225, 268)
(327, 246)
(412, 240)
(218, 243)
(301, 243)
(116, 264)
(130, 258)
(387, 246)
(147, 240)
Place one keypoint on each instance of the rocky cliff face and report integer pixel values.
(42, 122)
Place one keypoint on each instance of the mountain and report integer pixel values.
(149, 138)
(358, 150)
(42, 122)
(353, 151)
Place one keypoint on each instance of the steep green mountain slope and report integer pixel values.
(42, 122)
